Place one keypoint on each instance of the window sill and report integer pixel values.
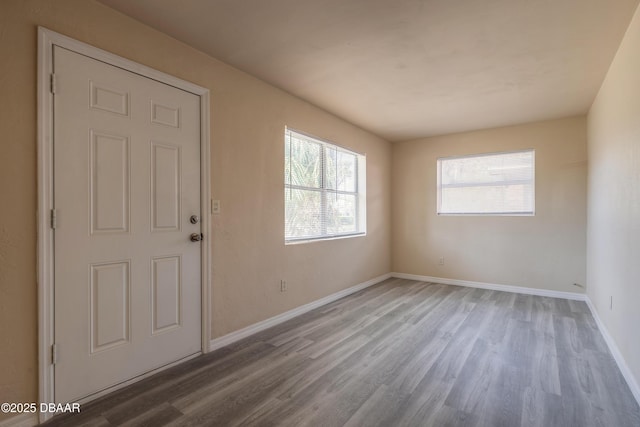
(488, 214)
(323, 238)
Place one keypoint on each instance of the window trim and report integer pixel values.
(360, 193)
(439, 186)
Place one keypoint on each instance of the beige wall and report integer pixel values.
(247, 124)
(613, 248)
(545, 251)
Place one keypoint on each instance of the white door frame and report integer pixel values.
(46, 40)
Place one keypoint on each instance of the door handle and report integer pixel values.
(196, 237)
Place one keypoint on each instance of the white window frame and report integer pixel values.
(360, 193)
(439, 185)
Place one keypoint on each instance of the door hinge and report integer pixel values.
(54, 354)
(54, 219)
(53, 83)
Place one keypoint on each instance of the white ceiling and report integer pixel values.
(405, 69)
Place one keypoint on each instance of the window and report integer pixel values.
(487, 184)
(324, 189)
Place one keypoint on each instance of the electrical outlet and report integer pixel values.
(441, 261)
(283, 286)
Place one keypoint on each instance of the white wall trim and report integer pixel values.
(46, 40)
(615, 352)
(494, 287)
(232, 337)
(45, 234)
(22, 420)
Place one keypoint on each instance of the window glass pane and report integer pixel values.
(287, 158)
(322, 197)
(331, 167)
(341, 213)
(346, 171)
(305, 162)
(487, 168)
(303, 213)
(483, 200)
(340, 170)
(500, 183)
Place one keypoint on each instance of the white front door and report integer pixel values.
(126, 184)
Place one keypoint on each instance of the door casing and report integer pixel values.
(46, 40)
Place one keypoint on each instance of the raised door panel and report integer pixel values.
(110, 188)
(165, 187)
(166, 292)
(110, 305)
(165, 115)
(108, 99)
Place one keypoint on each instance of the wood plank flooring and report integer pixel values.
(401, 353)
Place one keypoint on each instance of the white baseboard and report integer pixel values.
(494, 287)
(615, 352)
(22, 420)
(225, 340)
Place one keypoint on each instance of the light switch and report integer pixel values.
(215, 206)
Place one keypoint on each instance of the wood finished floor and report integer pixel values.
(401, 353)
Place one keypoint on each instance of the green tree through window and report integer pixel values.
(324, 191)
